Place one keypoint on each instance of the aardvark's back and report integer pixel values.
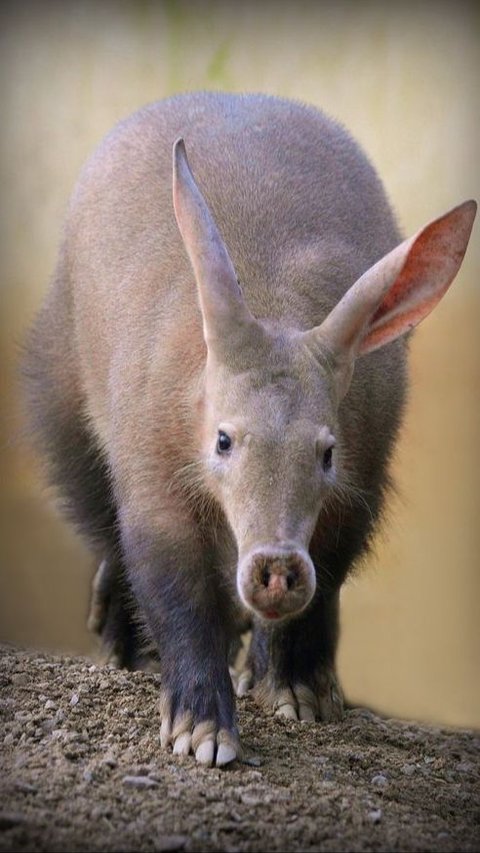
(301, 211)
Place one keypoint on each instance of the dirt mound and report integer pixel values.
(82, 770)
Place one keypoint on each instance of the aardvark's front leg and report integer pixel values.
(176, 591)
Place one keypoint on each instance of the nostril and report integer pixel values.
(277, 574)
(291, 578)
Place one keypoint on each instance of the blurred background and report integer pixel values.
(404, 79)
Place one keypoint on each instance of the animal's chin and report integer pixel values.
(271, 615)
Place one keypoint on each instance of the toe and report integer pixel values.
(225, 754)
(307, 703)
(331, 703)
(205, 751)
(287, 711)
(203, 742)
(306, 714)
(228, 748)
(285, 704)
(166, 718)
(182, 733)
(244, 682)
(183, 744)
(165, 733)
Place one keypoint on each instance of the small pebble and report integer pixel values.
(49, 704)
(10, 819)
(101, 811)
(8, 739)
(25, 788)
(250, 799)
(380, 780)
(169, 842)
(75, 699)
(375, 816)
(465, 767)
(251, 760)
(22, 716)
(139, 781)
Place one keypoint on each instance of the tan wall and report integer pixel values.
(404, 79)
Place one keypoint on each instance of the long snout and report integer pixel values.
(276, 581)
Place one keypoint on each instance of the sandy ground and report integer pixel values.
(81, 770)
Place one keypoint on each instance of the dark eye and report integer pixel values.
(224, 442)
(327, 459)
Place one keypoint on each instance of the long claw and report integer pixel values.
(183, 744)
(166, 718)
(244, 682)
(165, 733)
(98, 603)
(306, 713)
(205, 751)
(331, 706)
(225, 754)
(307, 703)
(287, 710)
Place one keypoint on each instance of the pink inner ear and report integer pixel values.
(430, 267)
(398, 325)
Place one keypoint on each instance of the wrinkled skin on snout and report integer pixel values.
(270, 459)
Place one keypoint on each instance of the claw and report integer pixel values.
(306, 714)
(182, 733)
(99, 598)
(205, 751)
(287, 711)
(284, 704)
(166, 724)
(331, 706)
(183, 744)
(109, 657)
(228, 748)
(307, 703)
(225, 754)
(244, 682)
(165, 733)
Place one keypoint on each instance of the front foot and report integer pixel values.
(320, 699)
(114, 619)
(293, 665)
(212, 741)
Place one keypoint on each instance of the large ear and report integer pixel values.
(400, 290)
(225, 314)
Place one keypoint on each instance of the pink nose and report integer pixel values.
(277, 581)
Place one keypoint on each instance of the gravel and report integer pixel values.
(89, 774)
